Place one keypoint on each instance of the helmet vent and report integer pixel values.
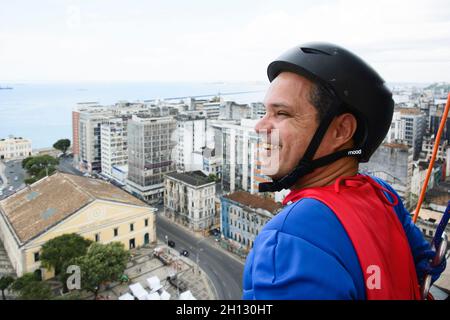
(314, 51)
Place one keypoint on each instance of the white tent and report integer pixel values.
(165, 295)
(187, 295)
(154, 284)
(153, 296)
(138, 291)
(126, 296)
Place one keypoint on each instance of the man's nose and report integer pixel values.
(264, 125)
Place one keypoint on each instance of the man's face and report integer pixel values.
(288, 125)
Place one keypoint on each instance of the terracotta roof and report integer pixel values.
(35, 209)
(254, 201)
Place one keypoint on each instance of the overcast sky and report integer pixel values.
(212, 40)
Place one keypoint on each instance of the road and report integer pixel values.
(14, 174)
(66, 165)
(224, 271)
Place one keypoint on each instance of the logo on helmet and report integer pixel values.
(353, 152)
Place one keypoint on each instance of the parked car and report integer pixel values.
(215, 232)
(171, 243)
(184, 253)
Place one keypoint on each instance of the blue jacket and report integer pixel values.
(305, 253)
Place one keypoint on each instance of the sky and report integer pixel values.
(212, 40)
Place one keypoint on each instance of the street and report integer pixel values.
(224, 271)
(14, 175)
(66, 165)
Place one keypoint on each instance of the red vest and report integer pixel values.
(376, 233)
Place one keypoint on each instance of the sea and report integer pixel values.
(42, 112)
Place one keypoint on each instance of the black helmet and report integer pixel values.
(356, 88)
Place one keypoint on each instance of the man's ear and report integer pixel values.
(344, 127)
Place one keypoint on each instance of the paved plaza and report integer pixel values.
(144, 265)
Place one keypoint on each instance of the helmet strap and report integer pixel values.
(306, 164)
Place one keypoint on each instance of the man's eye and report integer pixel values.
(282, 114)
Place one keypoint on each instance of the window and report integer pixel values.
(131, 227)
(97, 237)
(116, 232)
(36, 257)
(146, 222)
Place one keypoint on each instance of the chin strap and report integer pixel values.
(306, 164)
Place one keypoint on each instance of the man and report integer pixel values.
(341, 235)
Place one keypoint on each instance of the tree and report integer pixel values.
(102, 263)
(29, 287)
(60, 252)
(62, 145)
(212, 177)
(38, 167)
(5, 282)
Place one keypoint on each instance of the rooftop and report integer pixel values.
(440, 194)
(193, 178)
(254, 201)
(35, 209)
(430, 215)
(409, 111)
(396, 146)
(15, 140)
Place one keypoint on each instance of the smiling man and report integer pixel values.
(341, 234)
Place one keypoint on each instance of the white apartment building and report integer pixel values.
(212, 109)
(191, 140)
(14, 148)
(86, 125)
(212, 164)
(258, 110)
(231, 110)
(189, 198)
(408, 124)
(237, 144)
(114, 144)
(150, 155)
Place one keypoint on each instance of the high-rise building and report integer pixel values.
(238, 145)
(191, 140)
(212, 109)
(435, 117)
(150, 155)
(114, 144)
(231, 110)
(409, 125)
(258, 110)
(212, 164)
(87, 119)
